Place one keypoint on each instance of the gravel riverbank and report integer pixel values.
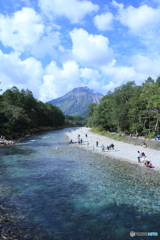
(122, 150)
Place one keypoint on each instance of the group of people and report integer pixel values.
(108, 147)
(143, 157)
(80, 141)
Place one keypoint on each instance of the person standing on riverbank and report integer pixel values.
(103, 150)
(139, 156)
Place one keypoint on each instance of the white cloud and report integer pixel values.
(104, 21)
(95, 85)
(118, 5)
(89, 49)
(147, 65)
(46, 45)
(142, 67)
(91, 78)
(119, 74)
(22, 74)
(88, 74)
(21, 30)
(74, 10)
(138, 20)
(58, 81)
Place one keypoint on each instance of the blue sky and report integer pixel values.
(53, 46)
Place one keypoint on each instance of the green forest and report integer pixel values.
(20, 112)
(129, 109)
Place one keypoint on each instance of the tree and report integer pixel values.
(149, 80)
(91, 109)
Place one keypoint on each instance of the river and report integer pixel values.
(54, 191)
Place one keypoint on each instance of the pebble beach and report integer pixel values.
(122, 151)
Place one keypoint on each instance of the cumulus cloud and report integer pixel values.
(91, 78)
(118, 74)
(89, 49)
(58, 81)
(104, 21)
(24, 74)
(142, 67)
(87, 74)
(147, 65)
(139, 19)
(21, 30)
(46, 45)
(74, 10)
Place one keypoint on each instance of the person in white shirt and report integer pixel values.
(139, 156)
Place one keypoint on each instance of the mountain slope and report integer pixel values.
(76, 102)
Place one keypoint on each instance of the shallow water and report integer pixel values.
(54, 191)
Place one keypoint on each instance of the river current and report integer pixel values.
(54, 191)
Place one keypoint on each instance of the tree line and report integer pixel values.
(129, 109)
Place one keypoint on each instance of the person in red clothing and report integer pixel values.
(148, 164)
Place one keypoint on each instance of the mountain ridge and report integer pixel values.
(75, 102)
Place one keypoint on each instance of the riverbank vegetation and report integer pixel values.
(21, 113)
(129, 109)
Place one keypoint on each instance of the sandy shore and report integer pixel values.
(122, 151)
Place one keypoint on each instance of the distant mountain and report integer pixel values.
(76, 102)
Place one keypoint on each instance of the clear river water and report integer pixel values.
(54, 191)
